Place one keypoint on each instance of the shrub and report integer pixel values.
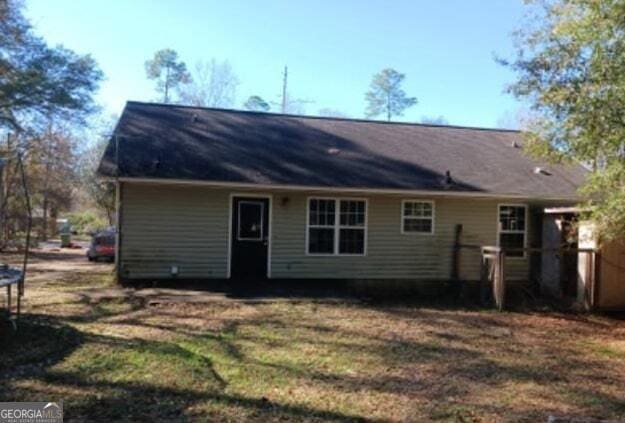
(87, 221)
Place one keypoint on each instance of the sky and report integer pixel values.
(445, 48)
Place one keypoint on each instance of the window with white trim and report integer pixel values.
(417, 217)
(512, 228)
(328, 233)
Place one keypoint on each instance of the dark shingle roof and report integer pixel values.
(189, 143)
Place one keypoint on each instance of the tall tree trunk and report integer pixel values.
(49, 148)
(109, 216)
(44, 224)
(4, 207)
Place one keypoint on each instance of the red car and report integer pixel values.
(102, 247)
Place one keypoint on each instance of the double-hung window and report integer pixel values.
(512, 228)
(417, 217)
(336, 227)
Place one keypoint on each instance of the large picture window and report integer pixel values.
(512, 228)
(336, 227)
(417, 217)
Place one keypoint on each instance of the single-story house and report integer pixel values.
(210, 193)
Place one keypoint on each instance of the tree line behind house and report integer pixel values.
(214, 84)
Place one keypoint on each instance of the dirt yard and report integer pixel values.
(114, 354)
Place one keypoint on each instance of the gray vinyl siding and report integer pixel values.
(188, 226)
(391, 254)
(163, 226)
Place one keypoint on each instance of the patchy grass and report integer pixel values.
(605, 348)
(162, 355)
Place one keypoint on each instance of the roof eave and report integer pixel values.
(308, 188)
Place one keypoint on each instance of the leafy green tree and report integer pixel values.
(385, 95)
(168, 72)
(38, 82)
(42, 89)
(256, 103)
(570, 63)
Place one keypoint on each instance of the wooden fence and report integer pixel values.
(493, 271)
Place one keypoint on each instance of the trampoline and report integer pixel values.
(10, 276)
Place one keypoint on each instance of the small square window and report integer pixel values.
(417, 217)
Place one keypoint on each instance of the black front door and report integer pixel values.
(250, 238)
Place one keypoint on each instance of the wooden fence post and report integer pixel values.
(484, 270)
(455, 264)
(499, 281)
(592, 280)
(20, 294)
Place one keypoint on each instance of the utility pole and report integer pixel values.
(284, 82)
